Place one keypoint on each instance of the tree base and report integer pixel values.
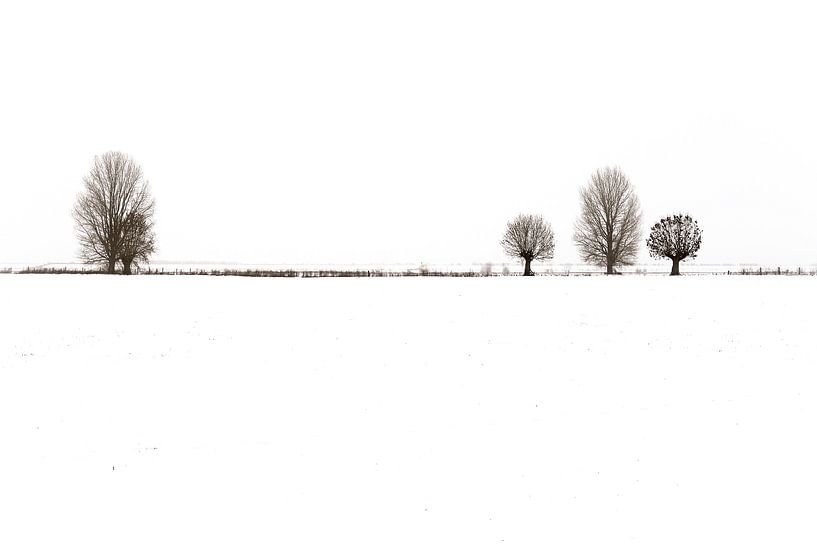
(676, 270)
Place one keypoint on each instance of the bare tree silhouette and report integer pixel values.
(139, 241)
(113, 215)
(675, 237)
(609, 225)
(530, 238)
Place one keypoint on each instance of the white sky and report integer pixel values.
(382, 131)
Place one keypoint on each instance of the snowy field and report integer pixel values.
(559, 410)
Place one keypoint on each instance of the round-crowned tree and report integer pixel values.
(676, 238)
(528, 237)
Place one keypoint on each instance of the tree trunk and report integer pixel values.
(528, 272)
(111, 266)
(610, 261)
(126, 266)
(676, 271)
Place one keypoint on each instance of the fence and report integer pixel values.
(424, 271)
(773, 271)
(291, 273)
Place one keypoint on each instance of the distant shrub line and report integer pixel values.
(290, 273)
(261, 273)
(56, 270)
(379, 273)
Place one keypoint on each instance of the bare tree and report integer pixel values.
(609, 225)
(675, 237)
(139, 241)
(111, 210)
(529, 237)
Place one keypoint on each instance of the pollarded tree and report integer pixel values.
(105, 213)
(675, 237)
(609, 225)
(529, 237)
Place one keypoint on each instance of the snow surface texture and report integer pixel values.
(407, 410)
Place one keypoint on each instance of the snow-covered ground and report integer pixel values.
(408, 410)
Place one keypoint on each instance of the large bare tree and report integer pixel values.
(608, 229)
(113, 215)
(528, 237)
(676, 238)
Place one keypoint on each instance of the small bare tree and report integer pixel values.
(139, 241)
(529, 237)
(675, 237)
(114, 213)
(608, 229)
